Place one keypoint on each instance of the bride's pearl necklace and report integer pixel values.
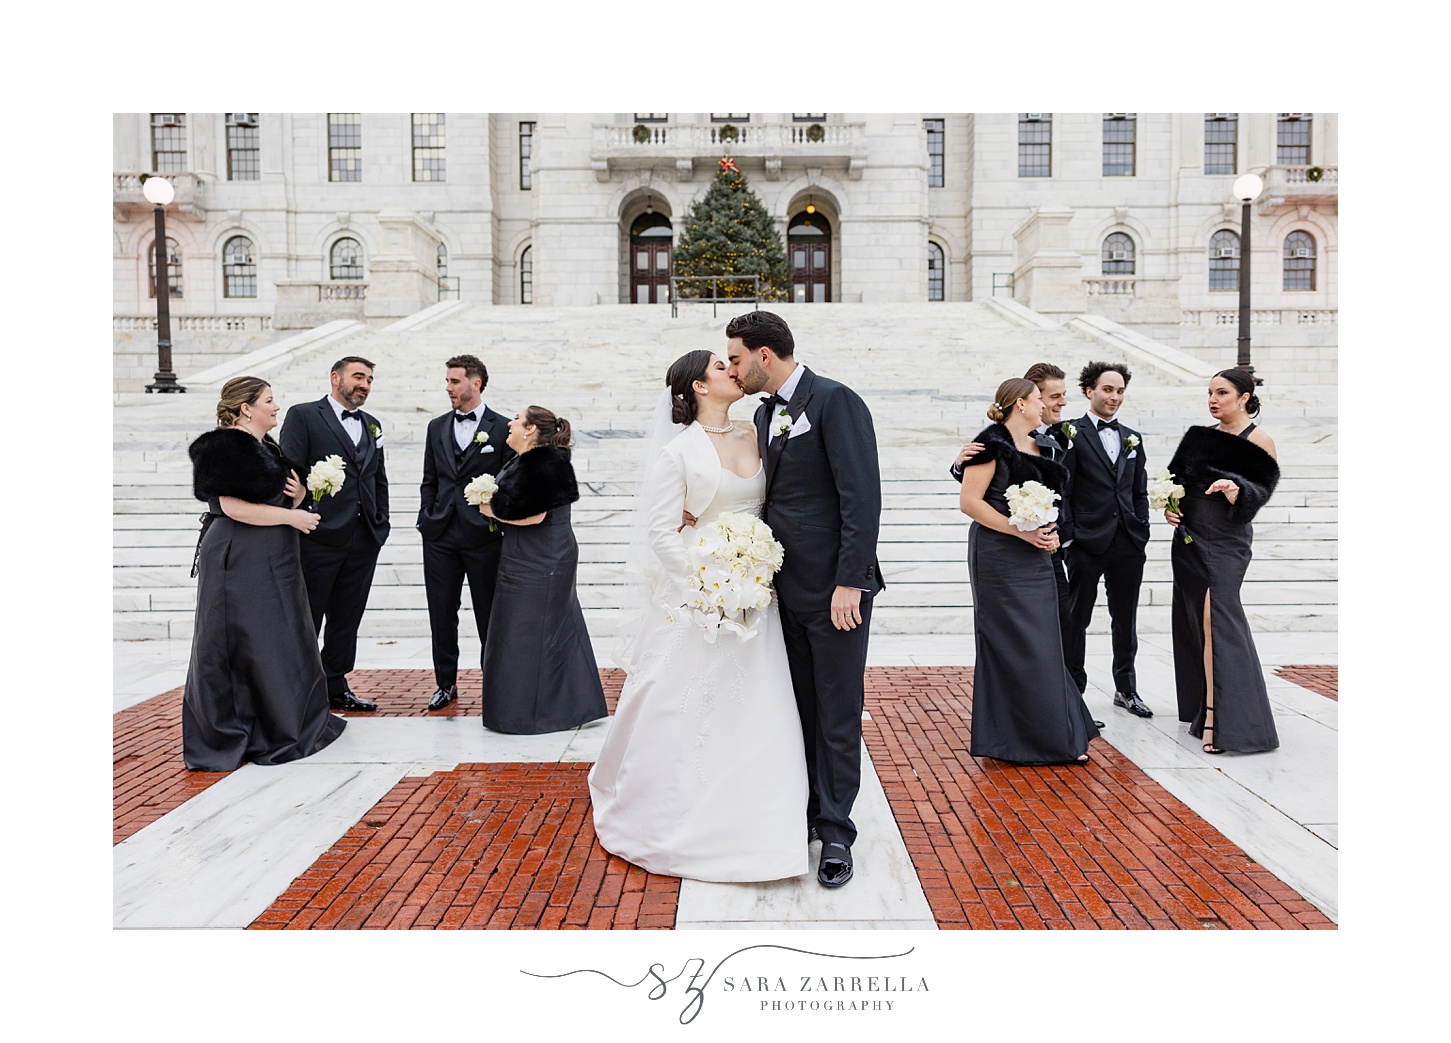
(730, 426)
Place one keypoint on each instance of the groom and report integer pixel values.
(824, 505)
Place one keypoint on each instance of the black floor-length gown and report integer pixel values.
(1214, 563)
(1025, 707)
(539, 666)
(255, 688)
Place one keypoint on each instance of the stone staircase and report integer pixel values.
(926, 371)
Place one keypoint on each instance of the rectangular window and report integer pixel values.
(1221, 141)
(651, 117)
(809, 117)
(168, 142)
(244, 144)
(428, 146)
(1118, 144)
(1292, 143)
(526, 152)
(345, 146)
(1035, 144)
(730, 117)
(935, 132)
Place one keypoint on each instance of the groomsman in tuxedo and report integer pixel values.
(340, 555)
(465, 442)
(824, 505)
(1105, 528)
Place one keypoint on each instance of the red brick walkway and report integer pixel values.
(512, 845)
(1323, 680)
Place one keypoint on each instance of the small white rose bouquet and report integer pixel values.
(326, 477)
(1030, 506)
(728, 576)
(1164, 494)
(481, 489)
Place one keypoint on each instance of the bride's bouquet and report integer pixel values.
(1164, 494)
(728, 576)
(326, 477)
(1030, 506)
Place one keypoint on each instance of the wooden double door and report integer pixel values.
(650, 246)
(808, 248)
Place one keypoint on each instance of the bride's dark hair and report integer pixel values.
(684, 372)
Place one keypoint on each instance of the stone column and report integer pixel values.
(1049, 271)
(402, 277)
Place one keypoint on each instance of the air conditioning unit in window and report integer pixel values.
(1227, 251)
(1116, 115)
(242, 119)
(1119, 255)
(1034, 115)
(1302, 252)
(1220, 115)
(1294, 115)
(168, 119)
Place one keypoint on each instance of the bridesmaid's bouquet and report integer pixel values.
(326, 477)
(1030, 506)
(1164, 494)
(728, 579)
(481, 489)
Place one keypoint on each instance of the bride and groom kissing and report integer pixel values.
(722, 754)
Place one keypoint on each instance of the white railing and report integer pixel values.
(194, 323)
(1299, 175)
(1261, 317)
(342, 290)
(1110, 286)
(697, 138)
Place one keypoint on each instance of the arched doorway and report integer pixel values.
(808, 246)
(650, 239)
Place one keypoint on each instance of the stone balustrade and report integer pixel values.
(195, 323)
(304, 303)
(189, 201)
(1111, 286)
(840, 144)
(1261, 317)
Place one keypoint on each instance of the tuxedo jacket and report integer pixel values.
(823, 491)
(1103, 496)
(446, 471)
(312, 432)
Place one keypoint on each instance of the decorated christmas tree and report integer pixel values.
(728, 232)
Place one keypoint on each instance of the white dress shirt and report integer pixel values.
(464, 430)
(353, 426)
(1109, 437)
(789, 387)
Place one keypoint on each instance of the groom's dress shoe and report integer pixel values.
(442, 697)
(1131, 702)
(812, 834)
(835, 868)
(1099, 725)
(346, 700)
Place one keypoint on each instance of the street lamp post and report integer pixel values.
(1246, 189)
(158, 190)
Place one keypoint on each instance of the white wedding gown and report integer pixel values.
(703, 772)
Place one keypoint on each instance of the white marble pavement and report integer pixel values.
(221, 858)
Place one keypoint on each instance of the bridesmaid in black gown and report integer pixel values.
(1228, 473)
(255, 689)
(1025, 707)
(539, 666)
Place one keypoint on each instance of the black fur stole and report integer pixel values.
(999, 445)
(1206, 454)
(536, 481)
(229, 462)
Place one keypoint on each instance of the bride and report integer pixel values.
(703, 772)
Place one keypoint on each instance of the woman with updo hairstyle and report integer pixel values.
(539, 666)
(1025, 707)
(1229, 471)
(255, 688)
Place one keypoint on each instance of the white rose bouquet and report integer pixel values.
(326, 477)
(1030, 506)
(728, 577)
(1164, 494)
(481, 489)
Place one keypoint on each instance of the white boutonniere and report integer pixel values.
(482, 437)
(782, 424)
(375, 430)
(1132, 441)
(1069, 430)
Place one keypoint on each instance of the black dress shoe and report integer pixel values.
(835, 868)
(812, 834)
(1099, 725)
(442, 697)
(1131, 702)
(346, 700)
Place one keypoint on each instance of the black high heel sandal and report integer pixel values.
(1209, 747)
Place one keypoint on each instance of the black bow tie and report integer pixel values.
(463, 416)
(1112, 425)
(352, 414)
(772, 400)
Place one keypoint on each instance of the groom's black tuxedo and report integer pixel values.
(457, 542)
(341, 554)
(1106, 516)
(824, 505)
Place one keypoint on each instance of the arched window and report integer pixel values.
(936, 273)
(239, 271)
(442, 261)
(1117, 255)
(526, 276)
(1224, 260)
(1299, 261)
(346, 260)
(173, 268)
